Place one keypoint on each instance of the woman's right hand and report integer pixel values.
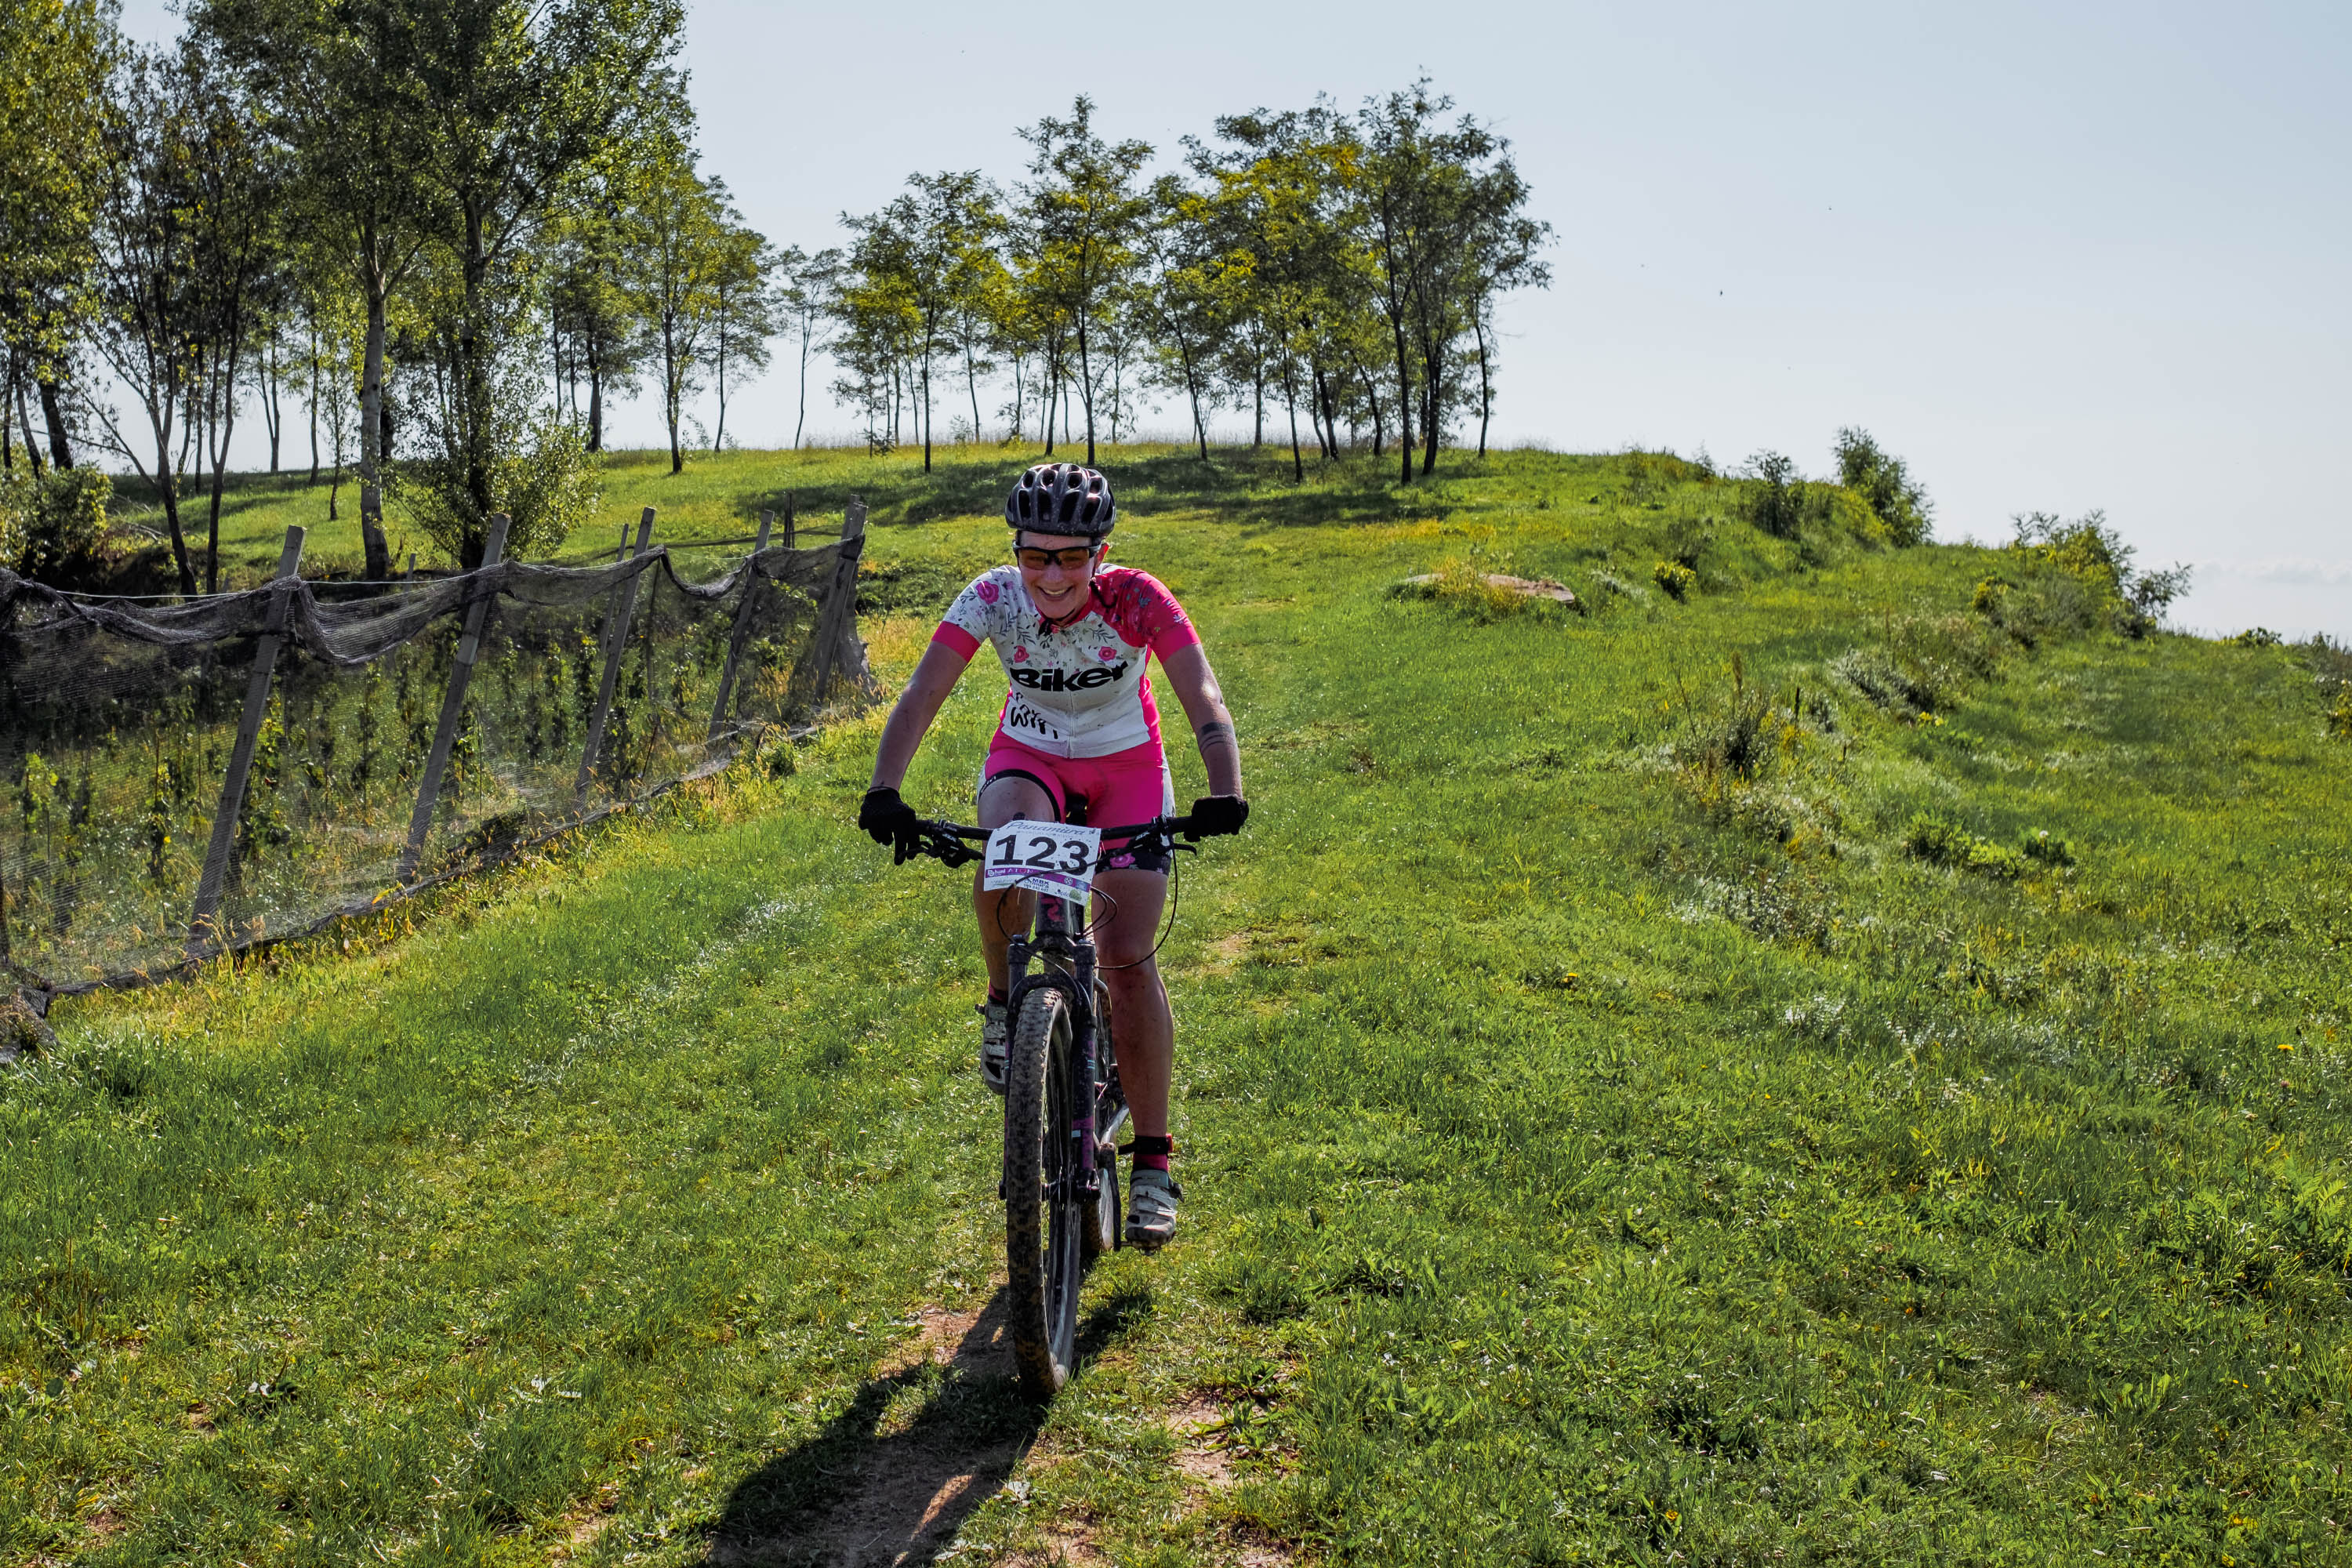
(885, 818)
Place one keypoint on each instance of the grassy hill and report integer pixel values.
(1845, 1065)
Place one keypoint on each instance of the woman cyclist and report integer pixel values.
(1074, 634)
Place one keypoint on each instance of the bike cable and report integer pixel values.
(1175, 897)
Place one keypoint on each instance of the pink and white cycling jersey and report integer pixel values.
(1078, 688)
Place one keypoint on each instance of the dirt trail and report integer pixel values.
(936, 1448)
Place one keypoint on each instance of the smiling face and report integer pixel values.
(1056, 588)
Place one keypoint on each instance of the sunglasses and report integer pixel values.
(1068, 560)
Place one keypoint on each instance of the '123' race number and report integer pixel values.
(1045, 857)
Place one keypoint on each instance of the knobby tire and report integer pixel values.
(1043, 1243)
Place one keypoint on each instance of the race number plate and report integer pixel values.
(1043, 856)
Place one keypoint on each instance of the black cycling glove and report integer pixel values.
(1218, 814)
(887, 819)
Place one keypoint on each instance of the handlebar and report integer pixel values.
(948, 842)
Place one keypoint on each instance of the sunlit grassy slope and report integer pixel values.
(1638, 1102)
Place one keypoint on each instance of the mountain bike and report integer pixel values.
(1063, 1103)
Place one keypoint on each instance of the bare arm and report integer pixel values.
(1187, 671)
(918, 705)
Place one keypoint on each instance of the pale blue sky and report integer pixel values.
(2058, 257)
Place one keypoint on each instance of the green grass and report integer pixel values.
(1604, 1137)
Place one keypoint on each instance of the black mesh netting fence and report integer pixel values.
(126, 851)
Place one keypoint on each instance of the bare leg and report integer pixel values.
(1005, 911)
(1144, 1031)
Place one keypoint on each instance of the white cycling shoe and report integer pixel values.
(1152, 1209)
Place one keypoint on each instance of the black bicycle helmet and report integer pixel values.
(1063, 499)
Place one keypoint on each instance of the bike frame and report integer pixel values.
(1068, 967)
(1057, 952)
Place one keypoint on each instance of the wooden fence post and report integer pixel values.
(616, 642)
(743, 612)
(789, 543)
(453, 703)
(840, 610)
(202, 925)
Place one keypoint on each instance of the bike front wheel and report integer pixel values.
(1046, 1216)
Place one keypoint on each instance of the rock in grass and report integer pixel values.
(1428, 583)
(23, 1031)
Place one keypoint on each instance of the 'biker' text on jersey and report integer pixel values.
(1078, 688)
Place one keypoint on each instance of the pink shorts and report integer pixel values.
(1119, 790)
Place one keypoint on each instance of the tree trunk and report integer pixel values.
(673, 393)
(1485, 385)
(24, 423)
(311, 400)
(271, 416)
(167, 485)
(1087, 389)
(1290, 399)
(53, 414)
(972, 385)
(217, 438)
(374, 449)
(1404, 409)
(1257, 402)
(801, 423)
(1379, 423)
(1428, 422)
(719, 435)
(474, 368)
(926, 413)
(1193, 391)
(595, 404)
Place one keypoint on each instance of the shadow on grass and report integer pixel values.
(920, 1447)
(1254, 490)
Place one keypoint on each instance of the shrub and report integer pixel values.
(2257, 636)
(2043, 845)
(2098, 564)
(1848, 513)
(1941, 842)
(538, 471)
(1649, 475)
(1675, 577)
(2331, 667)
(1776, 502)
(1885, 483)
(1686, 540)
(1873, 672)
(52, 522)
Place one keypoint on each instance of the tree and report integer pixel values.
(522, 95)
(151, 309)
(1279, 212)
(593, 315)
(234, 183)
(1443, 208)
(56, 57)
(747, 316)
(344, 87)
(1186, 301)
(680, 247)
(926, 265)
(806, 288)
(1082, 217)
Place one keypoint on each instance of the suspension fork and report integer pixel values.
(1076, 984)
